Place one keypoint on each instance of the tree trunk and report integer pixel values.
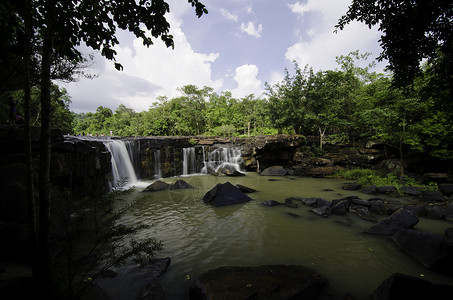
(27, 132)
(44, 265)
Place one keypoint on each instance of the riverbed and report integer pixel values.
(198, 237)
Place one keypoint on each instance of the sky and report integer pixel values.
(238, 46)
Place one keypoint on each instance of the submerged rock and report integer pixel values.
(289, 202)
(225, 194)
(270, 203)
(264, 282)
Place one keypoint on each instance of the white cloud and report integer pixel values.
(228, 15)
(251, 29)
(247, 83)
(148, 73)
(321, 45)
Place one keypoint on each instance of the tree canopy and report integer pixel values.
(412, 30)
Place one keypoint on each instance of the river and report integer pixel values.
(198, 237)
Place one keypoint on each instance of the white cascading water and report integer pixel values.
(122, 167)
(189, 161)
(224, 157)
(157, 164)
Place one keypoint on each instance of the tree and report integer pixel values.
(60, 26)
(287, 99)
(411, 31)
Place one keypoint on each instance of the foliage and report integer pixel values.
(93, 239)
(371, 177)
(411, 31)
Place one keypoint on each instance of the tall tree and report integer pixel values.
(411, 31)
(62, 25)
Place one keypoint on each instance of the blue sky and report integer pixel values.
(238, 46)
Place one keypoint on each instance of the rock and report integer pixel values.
(152, 291)
(321, 211)
(236, 173)
(377, 206)
(245, 189)
(418, 210)
(352, 186)
(357, 201)
(309, 201)
(322, 202)
(274, 171)
(289, 202)
(157, 186)
(270, 203)
(322, 171)
(448, 212)
(264, 282)
(364, 213)
(340, 208)
(292, 215)
(411, 191)
(370, 189)
(435, 196)
(446, 188)
(225, 194)
(399, 286)
(435, 177)
(436, 212)
(180, 185)
(401, 219)
(449, 233)
(388, 190)
(432, 251)
(136, 282)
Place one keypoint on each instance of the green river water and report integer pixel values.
(198, 237)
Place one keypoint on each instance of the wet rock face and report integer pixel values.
(264, 282)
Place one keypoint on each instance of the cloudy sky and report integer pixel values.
(238, 46)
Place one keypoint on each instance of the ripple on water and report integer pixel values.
(199, 237)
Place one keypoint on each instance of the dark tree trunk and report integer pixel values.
(44, 264)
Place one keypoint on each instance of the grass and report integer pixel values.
(371, 177)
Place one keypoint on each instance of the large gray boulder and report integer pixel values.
(401, 219)
(225, 194)
(399, 286)
(264, 282)
(274, 171)
(432, 251)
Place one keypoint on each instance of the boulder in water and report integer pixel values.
(399, 286)
(432, 251)
(157, 186)
(401, 219)
(274, 171)
(270, 203)
(225, 194)
(180, 185)
(264, 282)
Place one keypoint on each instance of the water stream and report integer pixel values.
(199, 237)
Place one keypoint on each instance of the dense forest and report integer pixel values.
(338, 105)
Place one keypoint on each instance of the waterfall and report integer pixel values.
(122, 167)
(189, 162)
(224, 157)
(157, 164)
